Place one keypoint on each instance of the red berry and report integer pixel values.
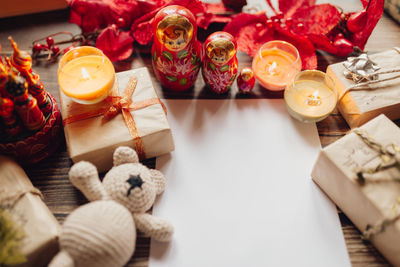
(245, 80)
(270, 23)
(339, 36)
(37, 48)
(277, 22)
(344, 46)
(289, 22)
(55, 49)
(68, 48)
(121, 23)
(114, 27)
(300, 27)
(259, 26)
(50, 41)
(45, 47)
(357, 21)
(279, 15)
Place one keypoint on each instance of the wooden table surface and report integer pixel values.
(51, 176)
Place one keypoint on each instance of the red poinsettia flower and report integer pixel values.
(219, 13)
(307, 26)
(116, 45)
(253, 35)
(98, 14)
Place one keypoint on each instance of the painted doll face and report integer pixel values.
(174, 39)
(220, 50)
(219, 56)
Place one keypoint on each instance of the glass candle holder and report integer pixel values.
(86, 75)
(276, 64)
(311, 96)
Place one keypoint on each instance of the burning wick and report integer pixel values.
(271, 68)
(85, 74)
(313, 100)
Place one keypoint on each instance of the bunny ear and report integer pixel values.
(124, 154)
(158, 179)
(85, 177)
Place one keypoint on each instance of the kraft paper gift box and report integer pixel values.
(41, 229)
(375, 200)
(360, 106)
(95, 139)
(392, 7)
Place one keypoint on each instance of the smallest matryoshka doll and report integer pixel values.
(220, 64)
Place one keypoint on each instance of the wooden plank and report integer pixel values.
(51, 176)
(23, 7)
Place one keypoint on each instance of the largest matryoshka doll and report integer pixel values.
(176, 52)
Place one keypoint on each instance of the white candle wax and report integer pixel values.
(310, 100)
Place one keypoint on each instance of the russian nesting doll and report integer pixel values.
(13, 127)
(25, 105)
(246, 80)
(22, 61)
(176, 52)
(220, 64)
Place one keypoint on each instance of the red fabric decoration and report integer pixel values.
(142, 32)
(308, 27)
(249, 38)
(115, 44)
(320, 19)
(301, 21)
(220, 13)
(374, 13)
(303, 44)
(323, 43)
(289, 7)
(98, 14)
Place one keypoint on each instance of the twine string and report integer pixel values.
(11, 198)
(389, 159)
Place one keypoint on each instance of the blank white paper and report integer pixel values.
(239, 191)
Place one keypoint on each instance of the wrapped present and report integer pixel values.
(372, 97)
(392, 7)
(360, 173)
(40, 227)
(132, 115)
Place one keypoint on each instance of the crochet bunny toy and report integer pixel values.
(103, 233)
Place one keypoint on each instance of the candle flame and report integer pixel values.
(314, 99)
(85, 74)
(315, 95)
(272, 67)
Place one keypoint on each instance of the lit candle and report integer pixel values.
(311, 96)
(276, 64)
(86, 75)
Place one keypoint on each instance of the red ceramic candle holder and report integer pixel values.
(40, 144)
